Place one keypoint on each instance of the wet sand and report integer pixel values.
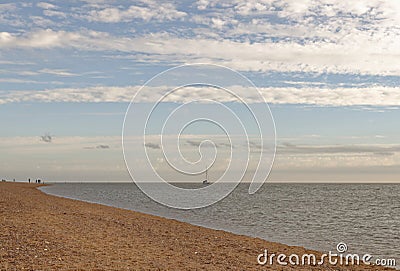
(43, 232)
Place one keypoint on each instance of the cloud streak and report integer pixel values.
(380, 150)
(152, 11)
(152, 146)
(368, 96)
(348, 57)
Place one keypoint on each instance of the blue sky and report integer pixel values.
(329, 70)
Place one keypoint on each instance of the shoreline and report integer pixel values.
(45, 232)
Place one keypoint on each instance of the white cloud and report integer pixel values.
(53, 160)
(94, 94)
(22, 63)
(146, 12)
(9, 16)
(39, 39)
(374, 95)
(362, 56)
(16, 80)
(57, 72)
(6, 38)
(54, 13)
(369, 96)
(314, 35)
(355, 37)
(41, 21)
(61, 143)
(378, 149)
(45, 5)
(7, 7)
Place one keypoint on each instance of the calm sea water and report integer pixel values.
(318, 216)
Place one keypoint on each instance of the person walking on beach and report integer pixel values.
(29, 180)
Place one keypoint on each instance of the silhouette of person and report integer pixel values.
(29, 180)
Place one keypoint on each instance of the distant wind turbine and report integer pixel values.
(46, 138)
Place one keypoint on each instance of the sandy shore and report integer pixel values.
(43, 232)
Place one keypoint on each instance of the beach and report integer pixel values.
(44, 232)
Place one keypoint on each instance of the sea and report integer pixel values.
(366, 217)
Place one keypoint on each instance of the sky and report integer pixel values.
(329, 71)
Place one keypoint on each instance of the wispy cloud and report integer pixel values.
(152, 146)
(258, 56)
(282, 44)
(290, 148)
(58, 72)
(45, 5)
(197, 143)
(368, 96)
(149, 10)
(289, 157)
(102, 146)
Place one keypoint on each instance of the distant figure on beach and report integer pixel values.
(13, 180)
(29, 180)
(38, 180)
(206, 182)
